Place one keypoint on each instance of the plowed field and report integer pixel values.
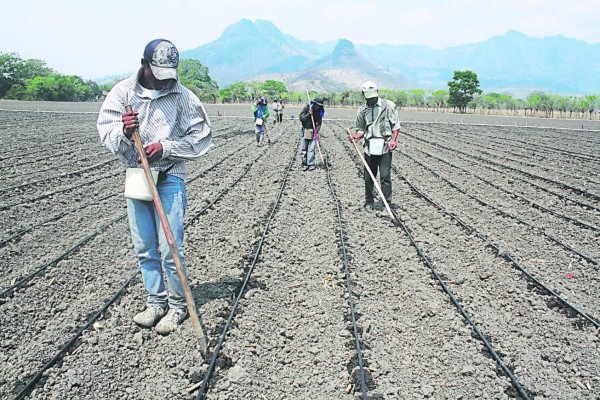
(488, 208)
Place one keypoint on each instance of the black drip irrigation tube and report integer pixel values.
(64, 175)
(501, 253)
(55, 217)
(531, 175)
(48, 168)
(542, 149)
(516, 384)
(559, 195)
(38, 375)
(498, 210)
(516, 160)
(7, 291)
(34, 199)
(344, 254)
(522, 198)
(217, 349)
(224, 191)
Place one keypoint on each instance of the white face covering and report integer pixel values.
(151, 93)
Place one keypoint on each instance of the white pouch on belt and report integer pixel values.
(376, 146)
(259, 121)
(136, 184)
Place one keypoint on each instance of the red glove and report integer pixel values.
(154, 152)
(130, 122)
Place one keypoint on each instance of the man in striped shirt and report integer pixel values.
(174, 128)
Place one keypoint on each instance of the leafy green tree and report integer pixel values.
(463, 86)
(194, 76)
(235, 92)
(56, 87)
(593, 103)
(439, 99)
(416, 97)
(14, 70)
(16, 92)
(273, 89)
(254, 89)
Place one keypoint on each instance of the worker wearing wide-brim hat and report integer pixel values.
(378, 123)
(308, 140)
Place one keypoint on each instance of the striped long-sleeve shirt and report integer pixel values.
(174, 117)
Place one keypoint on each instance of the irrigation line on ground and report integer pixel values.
(583, 192)
(500, 125)
(65, 347)
(522, 198)
(499, 252)
(502, 212)
(37, 376)
(6, 291)
(217, 349)
(519, 161)
(515, 383)
(527, 146)
(559, 195)
(489, 152)
(55, 217)
(43, 196)
(66, 174)
(49, 168)
(357, 341)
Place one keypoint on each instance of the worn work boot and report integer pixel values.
(171, 321)
(368, 207)
(150, 316)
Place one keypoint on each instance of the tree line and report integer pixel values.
(32, 80)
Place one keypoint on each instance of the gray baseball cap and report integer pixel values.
(163, 58)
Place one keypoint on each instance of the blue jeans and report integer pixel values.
(150, 243)
(307, 150)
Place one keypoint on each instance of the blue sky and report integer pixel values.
(98, 38)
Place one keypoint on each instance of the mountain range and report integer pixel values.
(513, 62)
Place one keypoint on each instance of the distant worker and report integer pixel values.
(261, 113)
(174, 128)
(280, 111)
(308, 139)
(377, 122)
(275, 111)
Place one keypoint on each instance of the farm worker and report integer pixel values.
(261, 113)
(276, 111)
(308, 136)
(174, 128)
(377, 122)
(280, 111)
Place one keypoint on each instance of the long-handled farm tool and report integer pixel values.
(372, 177)
(170, 240)
(315, 133)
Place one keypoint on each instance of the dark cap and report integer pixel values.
(163, 58)
(318, 101)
